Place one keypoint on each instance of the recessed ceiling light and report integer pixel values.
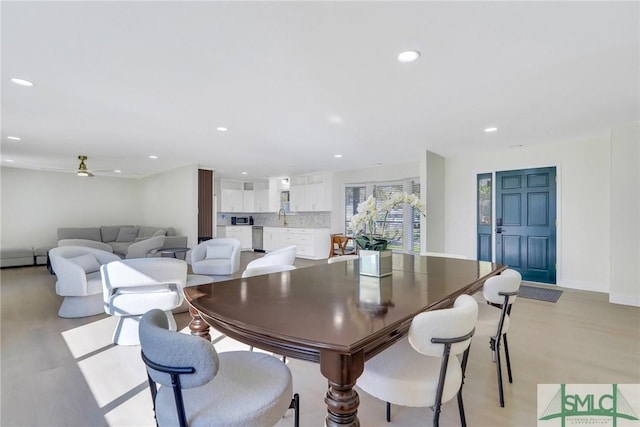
(243, 173)
(153, 157)
(337, 156)
(491, 129)
(15, 138)
(10, 160)
(117, 171)
(222, 129)
(409, 56)
(21, 82)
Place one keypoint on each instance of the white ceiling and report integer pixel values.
(297, 82)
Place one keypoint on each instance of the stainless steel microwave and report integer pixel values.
(240, 220)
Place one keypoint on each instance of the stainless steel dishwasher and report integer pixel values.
(257, 238)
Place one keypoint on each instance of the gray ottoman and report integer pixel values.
(15, 257)
(41, 254)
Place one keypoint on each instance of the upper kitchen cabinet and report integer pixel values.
(248, 198)
(261, 197)
(311, 193)
(232, 196)
(244, 196)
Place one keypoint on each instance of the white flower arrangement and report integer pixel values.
(364, 222)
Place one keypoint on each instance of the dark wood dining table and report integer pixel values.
(331, 315)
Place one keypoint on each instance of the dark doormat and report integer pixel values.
(541, 294)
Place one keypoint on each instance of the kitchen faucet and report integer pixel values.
(285, 215)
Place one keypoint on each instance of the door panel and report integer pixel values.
(511, 213)
(526, 218)
(538, 209)
(511, 251)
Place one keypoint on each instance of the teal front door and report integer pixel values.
(526, 222)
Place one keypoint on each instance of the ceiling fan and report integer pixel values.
(84, 171)
(82, 168)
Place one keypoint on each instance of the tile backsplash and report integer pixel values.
(294, 219)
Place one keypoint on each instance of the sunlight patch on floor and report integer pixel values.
(113, 372)
(91, 337)
(134, 411)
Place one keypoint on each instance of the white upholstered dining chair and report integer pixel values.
(201, 387)
(283, 256)
(423, 369)
(341, 258)
(131, 287)
(267, 269)
(494, 318)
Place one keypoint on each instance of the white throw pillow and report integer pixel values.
(88, 262)
(219, 252)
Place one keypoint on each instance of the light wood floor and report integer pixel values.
(66, 372)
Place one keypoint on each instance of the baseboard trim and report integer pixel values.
(583, 286)
(625, 299)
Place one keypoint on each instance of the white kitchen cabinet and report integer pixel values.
(232, 196)
(311, 193)
(242, 233)
(271, 238)
(310, 243)
(261, 197)
(244, 196)
(297, 192)
(248, 201)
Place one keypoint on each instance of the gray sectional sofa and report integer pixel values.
(121, 239)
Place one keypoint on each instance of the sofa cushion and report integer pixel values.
(110, 232)
(14, 257)
(219, 252)
(88, 233)
(127, 234)
(88, 262)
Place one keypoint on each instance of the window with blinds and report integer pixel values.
(403, 222)
(352, 197)
(395, 218)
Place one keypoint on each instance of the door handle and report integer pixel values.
(498, 230)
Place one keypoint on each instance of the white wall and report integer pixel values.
(625, 215)
(36, 203)
(434, 197)
(584, 204)
(170, 199)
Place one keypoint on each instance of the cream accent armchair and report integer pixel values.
(131, 287)
(219, 256)
(146, 247)
(78, 271)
